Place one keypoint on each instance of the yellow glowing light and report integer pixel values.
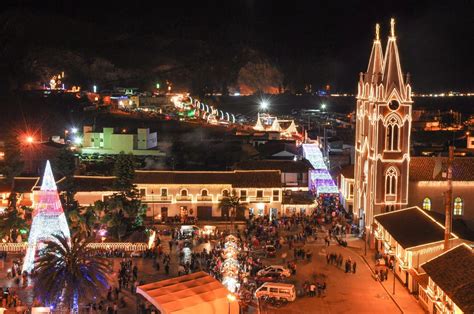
(231, 297)
(29, 139)
(392, 27)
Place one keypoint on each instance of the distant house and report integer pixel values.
(278, 150)
(110, 142)
(449, 287)
(294, 173)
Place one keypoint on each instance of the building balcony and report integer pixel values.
(181, 198)
(263, 199)
(157, 199)
(204, 198)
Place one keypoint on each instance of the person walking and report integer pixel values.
(354, 266)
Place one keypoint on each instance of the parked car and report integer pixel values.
(277, 290)
(283, 271)
(136, 254)
(269, 277)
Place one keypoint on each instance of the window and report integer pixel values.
(164, 192)
(225, 193)
(243, 194)
(260, 193)
(458, 204)
(391, 181)
(142, 192)
(392, 132)
(204, 192)
(184, 192)
(427, 204)
(275, 290)
(276, 195)
(351, 190)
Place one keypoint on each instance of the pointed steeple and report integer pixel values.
(392, 70)
(48, 179)
(374, 69)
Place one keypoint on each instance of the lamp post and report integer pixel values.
(153, 208)
(394, 265)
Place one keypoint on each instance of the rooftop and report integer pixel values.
(411, 227)
(198, 292)
(453, 272)
(432, 168)
(288, 166)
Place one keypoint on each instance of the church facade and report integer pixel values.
(383, 126)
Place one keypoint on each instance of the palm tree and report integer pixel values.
(67, 272)
(231, 203)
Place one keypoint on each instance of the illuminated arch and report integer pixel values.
(392, 124)
(458, 206)
(426, 203)
(391, 180)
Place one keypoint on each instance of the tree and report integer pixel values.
(231, 203)
(11, 223)
(68, 273)
(12, 164)
(124, 171)
(65, 166)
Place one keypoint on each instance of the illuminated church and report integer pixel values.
(383, 123)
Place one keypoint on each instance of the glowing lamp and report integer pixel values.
(77, 140)
(29, 139)
(73, 130)
(264, 104)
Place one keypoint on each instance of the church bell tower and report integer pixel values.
(383, 126)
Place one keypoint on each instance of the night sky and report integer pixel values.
(329, 40)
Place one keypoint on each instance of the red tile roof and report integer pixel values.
(248, 179)
(288, 166)
(427, 169)
(453, 272)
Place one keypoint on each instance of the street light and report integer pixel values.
(264, 104)
(30, 139)
(323, 106)
(74, 130)
(230, 298)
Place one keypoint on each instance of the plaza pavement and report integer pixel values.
(345, 293)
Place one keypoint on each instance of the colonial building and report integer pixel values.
(449, 287)
(383, 123)
(410, 237)
(193, 193)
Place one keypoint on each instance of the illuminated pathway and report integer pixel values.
(319, 178)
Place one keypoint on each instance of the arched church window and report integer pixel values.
(184, 192)
(427, 203)
(458, 206)
(391, 181)
(392, 132)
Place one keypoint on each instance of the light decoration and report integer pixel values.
(320, 181)
(151, 239)
(48, 219)
(230, 267)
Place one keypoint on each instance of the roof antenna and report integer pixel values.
(392, 27)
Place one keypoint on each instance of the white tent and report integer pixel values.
(275, 126)
(192, 294)
(258, 126)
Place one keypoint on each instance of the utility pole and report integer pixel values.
(448, 199)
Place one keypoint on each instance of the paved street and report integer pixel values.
(357, 293)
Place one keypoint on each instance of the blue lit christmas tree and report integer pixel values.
(48, 219)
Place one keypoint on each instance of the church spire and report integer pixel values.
(374, 69)
(392, 70)
(48, 179)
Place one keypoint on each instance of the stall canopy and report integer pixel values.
(195, 293)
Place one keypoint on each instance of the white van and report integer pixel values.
(277, 290)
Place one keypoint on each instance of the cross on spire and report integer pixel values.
(392, 27)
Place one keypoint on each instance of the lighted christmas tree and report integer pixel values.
(48, 219)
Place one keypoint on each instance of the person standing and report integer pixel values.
(354, 265)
